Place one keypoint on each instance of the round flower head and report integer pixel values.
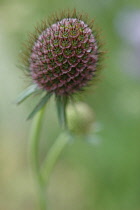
(62, 57)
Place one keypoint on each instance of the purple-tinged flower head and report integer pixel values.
(62, 56)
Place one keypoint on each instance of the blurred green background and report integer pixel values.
(103, 174)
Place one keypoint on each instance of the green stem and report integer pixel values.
(34, 156)
(53, 156)
(42, 176)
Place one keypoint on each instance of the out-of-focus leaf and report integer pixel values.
(26, 93)
(40, 105)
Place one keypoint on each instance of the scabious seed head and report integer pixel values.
(64, 55)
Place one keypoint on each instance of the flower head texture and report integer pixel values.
(62, 56)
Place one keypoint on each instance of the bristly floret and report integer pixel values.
(64, 57)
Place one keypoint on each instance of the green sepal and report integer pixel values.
(40, 105)
(61, 102)
(26, 93)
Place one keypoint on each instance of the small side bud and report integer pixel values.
(80, 118)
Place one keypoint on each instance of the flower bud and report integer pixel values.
(80, 118)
